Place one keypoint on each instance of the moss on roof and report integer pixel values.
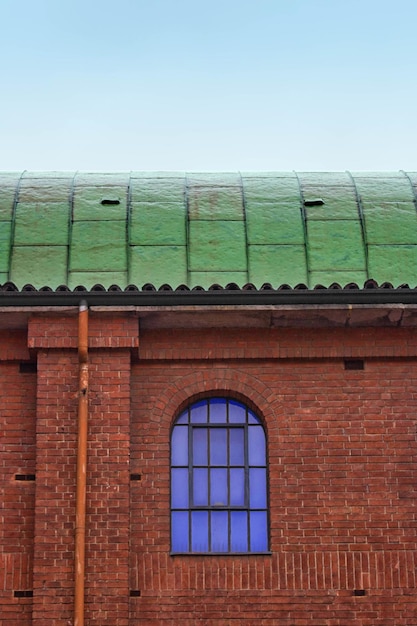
(199, 229)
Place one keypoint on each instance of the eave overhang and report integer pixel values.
(229, 307)
(231, 295)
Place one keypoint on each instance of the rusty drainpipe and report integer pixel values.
(81, 464)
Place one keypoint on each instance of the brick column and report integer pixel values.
(107, 528)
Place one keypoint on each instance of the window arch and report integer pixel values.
(218, 479)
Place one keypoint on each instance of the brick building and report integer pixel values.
(208, 404)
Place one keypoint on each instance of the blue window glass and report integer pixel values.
(218, 480)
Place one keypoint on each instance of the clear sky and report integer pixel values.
(208, 85)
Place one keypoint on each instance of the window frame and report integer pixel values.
(244, 469)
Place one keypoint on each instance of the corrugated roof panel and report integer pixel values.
(412, 177)
(338, 203)
(42, 224)
(267, 174)
(277, 264)
(335, 245)
(39, 266)
(99, 202)
(48, 174)
(394, 264)
(172, 227)
(278, 222)
(207, 279)
(158, 190)
(102, 178)
(375, 187)
(390, 222)
(5, 236)
(342, 278)
(257, 188)
(217, 246)
(162, 174)
(9, 182)
(89, 279)
(215, 203)
(158, 223)
(98, 246)
(47, 189)
(216, 179)
(329, 197)
(158, 265)
(215, 197)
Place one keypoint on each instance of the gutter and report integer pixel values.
(211, 297)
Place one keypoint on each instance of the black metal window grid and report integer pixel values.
(218, 479)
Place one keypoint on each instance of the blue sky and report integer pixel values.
(208, 85)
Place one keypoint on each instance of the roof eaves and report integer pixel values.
(248, 295)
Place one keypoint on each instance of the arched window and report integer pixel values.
(218, 479)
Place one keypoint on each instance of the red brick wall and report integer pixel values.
(342, 476)
(17, 458)
(342, 470)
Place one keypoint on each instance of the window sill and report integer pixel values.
(229, 554)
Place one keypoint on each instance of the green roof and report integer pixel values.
(65, 228)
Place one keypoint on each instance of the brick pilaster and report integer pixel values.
(107, 526)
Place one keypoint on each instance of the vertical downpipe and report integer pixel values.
(81, 464)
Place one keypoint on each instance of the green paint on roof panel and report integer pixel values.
(274, 223)
(326, 278)
(271, 189)
(34, 190)
(39, 266)
(342, 208)
(7, 195)
(215, 203)
(158, 190)
(338, 202)
(394, 264)
(100, 203)
(226, 227)
(5, 234)
(41, 224)
(158, 265)
(89, 279)
(154, 223)
(412, 177)
(89, 179)
(156, 174)
(371, 174)
(391, 223)
(40, 176)
(215, 179)
(217, 246)
(335, 245)
(373, 188)
(267, 174)
(5, 231)
(206, 279)
(8, 186)
(277, 265)
(335, 190)
(332, 179)
(98, 246)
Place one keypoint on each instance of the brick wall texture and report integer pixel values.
(342, 475)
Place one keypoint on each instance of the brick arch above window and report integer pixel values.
(221, 381)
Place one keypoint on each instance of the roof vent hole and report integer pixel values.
(314, 202)
(109, 201)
